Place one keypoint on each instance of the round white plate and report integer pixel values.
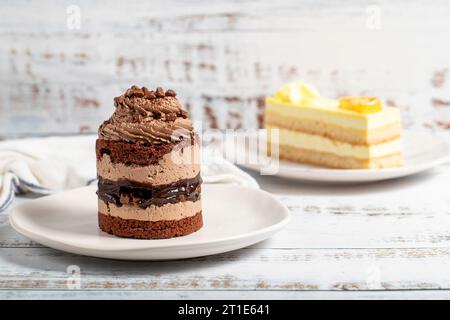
(422, 151)
(234, 217)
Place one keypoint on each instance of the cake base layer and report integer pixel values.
(163, 229)
(334, 161)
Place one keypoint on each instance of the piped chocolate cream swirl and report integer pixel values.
(147, 116)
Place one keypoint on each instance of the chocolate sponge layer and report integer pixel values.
(138, 229)
(132, 153)
(138, 153)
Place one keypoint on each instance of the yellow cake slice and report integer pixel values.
(349, 133)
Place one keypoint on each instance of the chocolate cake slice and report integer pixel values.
(149, 183)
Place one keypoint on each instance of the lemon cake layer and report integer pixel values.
(334, 161)
(306, 141)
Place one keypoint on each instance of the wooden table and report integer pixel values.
(379, 240)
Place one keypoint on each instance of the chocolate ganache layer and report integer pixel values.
(144, 116)
(129, 192)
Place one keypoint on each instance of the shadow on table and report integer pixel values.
(48, 261)
(279, 185)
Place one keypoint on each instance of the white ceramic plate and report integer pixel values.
(234, 217)
(422, 151)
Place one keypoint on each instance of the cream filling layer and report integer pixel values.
(330, 112)
(176, 165)
(170, 211)
(321, 144)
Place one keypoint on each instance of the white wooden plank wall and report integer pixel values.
(222, 57)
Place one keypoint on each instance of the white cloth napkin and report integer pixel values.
(47, 165)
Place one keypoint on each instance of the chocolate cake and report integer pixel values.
(149, 183)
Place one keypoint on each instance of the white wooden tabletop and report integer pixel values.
(379, 240)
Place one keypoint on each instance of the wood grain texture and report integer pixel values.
(381, 240)
(222, 294)
(246, 269)
(222, 58)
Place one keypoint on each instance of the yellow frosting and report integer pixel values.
(298, 94)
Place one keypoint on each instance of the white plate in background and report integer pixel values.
(422, 151)
(234, 217)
